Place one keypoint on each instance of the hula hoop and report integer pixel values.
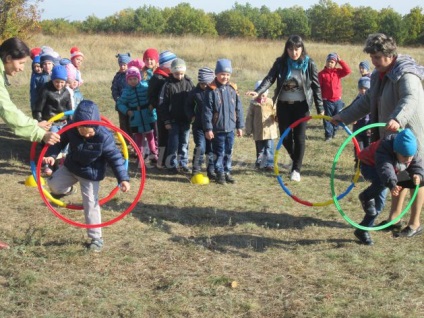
(44, 193)
(71, 206)
(280, 179)
(336, 200)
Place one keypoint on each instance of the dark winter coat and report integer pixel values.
(52, 102)
(87, 157)
(173, 98)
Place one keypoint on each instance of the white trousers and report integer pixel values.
(61, 182)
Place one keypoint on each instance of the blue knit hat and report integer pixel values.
(365, 65)
(36, 60)
(332, 57)
(166, 58)
(223, 66)
(205, 75)
(364, 82)
(123, 58)
(405, 143)
(59, 72)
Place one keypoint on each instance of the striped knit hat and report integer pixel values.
(166, 58)
(205, 75)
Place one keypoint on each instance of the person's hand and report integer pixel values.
(396, 190)
(392, 125)
(416, 179)
(125, 186)
(209, 135)
(151, 108)
(253, 94)
(168, 126)
(51, 138)
(45, 125)
(49, 161)
(335, 120)
(239, 132)
(130, 113)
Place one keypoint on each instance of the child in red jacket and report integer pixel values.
(331, 90)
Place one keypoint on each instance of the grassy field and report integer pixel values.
(243, 250)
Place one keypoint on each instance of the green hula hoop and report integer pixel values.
(333, 192)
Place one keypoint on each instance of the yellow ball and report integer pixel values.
(30, 181)
(197, 178)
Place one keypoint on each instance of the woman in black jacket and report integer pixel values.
(297, 90)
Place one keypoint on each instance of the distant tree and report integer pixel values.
(124, 21)
(323, 20)
(93, 24)
(59, 27)
(269, 26)
(149, 20)
(390, 23)
(343, 28)
(184, 19)
(414, 23)
(234, 24)
(295, 21)
(18, 18)
(365, 22)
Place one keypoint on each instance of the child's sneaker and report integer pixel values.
(61, 195)
(96, 245)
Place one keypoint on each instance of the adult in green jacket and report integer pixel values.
(13, 55)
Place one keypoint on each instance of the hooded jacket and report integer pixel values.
(223, 111)
(380, 154)
(87, 157)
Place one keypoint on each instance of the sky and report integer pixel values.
(73, 10)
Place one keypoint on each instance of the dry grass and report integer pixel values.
(179, 251)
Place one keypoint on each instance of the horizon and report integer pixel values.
(79, 10)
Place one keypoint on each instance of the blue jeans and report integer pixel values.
(331, 109)
(376, 191)
(264, 153)
(177, 152)
(203, 146)
(222, 145)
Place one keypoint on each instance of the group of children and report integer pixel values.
(157, 102)
(160, 102)
(54, 87)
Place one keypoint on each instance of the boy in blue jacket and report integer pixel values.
(194, 110)
(223, 113)
(381, 163)
(90, 149)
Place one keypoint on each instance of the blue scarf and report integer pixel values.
(295, 65)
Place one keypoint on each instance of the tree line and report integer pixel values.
(325, 21)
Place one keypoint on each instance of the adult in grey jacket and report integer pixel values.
(396, 97)
(297, 90)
